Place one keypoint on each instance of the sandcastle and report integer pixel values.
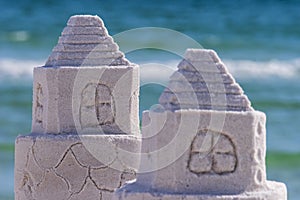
(85, 119)
(205, 141)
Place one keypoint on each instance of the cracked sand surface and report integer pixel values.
(65, 170)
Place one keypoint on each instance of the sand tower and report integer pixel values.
(85, 119)
(205, 141)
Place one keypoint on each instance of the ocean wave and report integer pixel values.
(17, 69)
(161, 70)
(264, 69)
(241, 69)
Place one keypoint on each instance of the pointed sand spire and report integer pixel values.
(202, 81)
(86, 42)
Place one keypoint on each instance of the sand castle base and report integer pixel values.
(274, 190)
(67, 166)
(207, 163)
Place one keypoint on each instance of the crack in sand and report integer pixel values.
(65, 154)
(30, 188)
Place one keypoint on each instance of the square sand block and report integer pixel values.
(89, 100)
(194, 151)
(59, 167)
(132, 191)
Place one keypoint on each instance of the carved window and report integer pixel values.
(104, 105)
(39, 104)
(97, 106)
(212, 153)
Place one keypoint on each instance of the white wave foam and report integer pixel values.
(242, 69)
(264, 69)
(17, 69)
(157, 70)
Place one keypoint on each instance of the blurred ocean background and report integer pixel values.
(259, 41)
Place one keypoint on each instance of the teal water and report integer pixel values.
(259, 42)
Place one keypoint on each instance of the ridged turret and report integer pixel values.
(203, 82)
(86, 42)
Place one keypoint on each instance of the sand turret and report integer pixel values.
(205, 142)
(85, 119)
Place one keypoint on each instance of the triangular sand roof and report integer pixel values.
(202, 81)
(85, 42)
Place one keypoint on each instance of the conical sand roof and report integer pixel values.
(85, 42)
(202, 81)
